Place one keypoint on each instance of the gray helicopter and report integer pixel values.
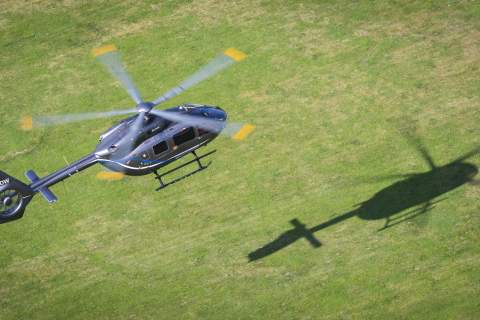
(138, 145)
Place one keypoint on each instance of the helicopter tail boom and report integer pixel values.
(15, 195)
(43, 183)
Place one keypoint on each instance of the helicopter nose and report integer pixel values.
(217, 113)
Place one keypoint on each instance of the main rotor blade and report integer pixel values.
(28, 123)
(129, 140)
(132, 134)
(110, 57)
(235, 130)
(196, 121)
(224, 60)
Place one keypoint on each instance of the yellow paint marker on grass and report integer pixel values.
(109, 175)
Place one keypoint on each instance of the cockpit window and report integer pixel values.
(184, 136)
(202, 131)
(160, 147)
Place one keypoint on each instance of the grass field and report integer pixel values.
(330, 87)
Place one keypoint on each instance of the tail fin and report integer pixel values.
(14, 197)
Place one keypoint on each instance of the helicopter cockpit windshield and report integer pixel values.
(152, 126)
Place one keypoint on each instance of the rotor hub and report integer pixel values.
(145, 107)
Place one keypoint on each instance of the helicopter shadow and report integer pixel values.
(413, 195)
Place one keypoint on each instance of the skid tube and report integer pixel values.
(197, 159)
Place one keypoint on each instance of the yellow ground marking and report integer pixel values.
(235, 54)
(26, 123)
(102, 50)
(244, 132)
(107, 175)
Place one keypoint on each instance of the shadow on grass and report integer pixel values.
(416, 191)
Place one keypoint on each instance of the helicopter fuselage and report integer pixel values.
(157, 142)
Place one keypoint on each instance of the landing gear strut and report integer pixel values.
(197, 159)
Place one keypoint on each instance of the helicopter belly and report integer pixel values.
(119, 167)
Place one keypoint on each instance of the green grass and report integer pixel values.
(327, 84)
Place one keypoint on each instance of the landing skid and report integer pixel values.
(390, 222)
(197, 159)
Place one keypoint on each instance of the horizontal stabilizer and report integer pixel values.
(32, 176)
(46, 193)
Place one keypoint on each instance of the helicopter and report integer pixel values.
(138, 145)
